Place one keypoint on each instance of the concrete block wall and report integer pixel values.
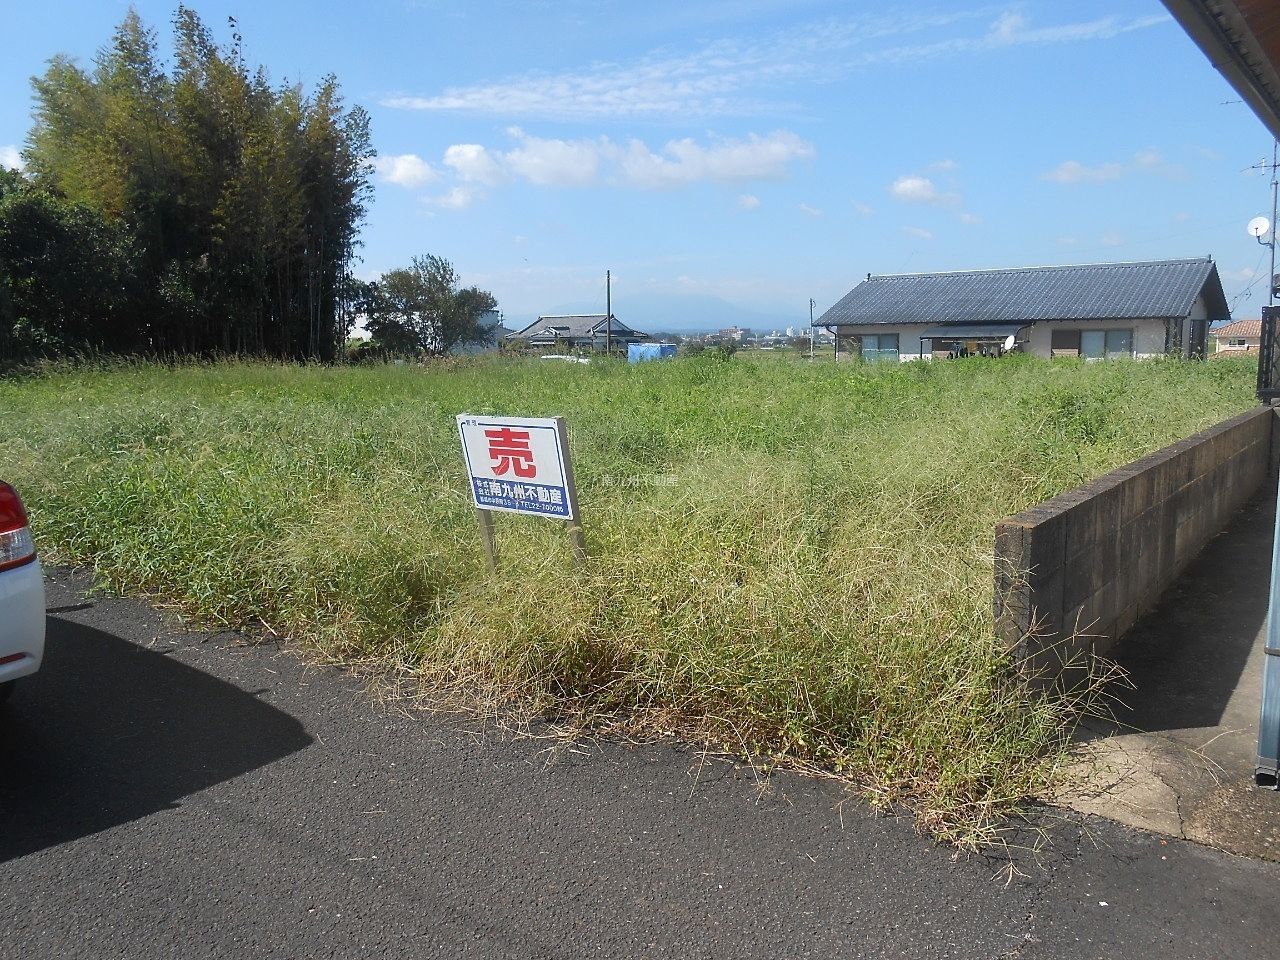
(1074, 573)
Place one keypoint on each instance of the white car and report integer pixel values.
(21, 594)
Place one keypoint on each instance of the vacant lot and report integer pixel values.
(788, 559)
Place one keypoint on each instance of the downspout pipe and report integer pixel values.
(1268, 767)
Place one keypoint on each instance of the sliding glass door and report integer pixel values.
(880, 348)
(1106, 344)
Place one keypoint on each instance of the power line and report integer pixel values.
(1243, 294)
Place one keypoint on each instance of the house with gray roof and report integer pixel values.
(577, 332)
(1094, 310)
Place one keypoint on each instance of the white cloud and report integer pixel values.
(457, 198)
(1008, 26)
(404, 170)
(1112, 239)
(557, 162)
(862, 209)
(916, 189)
(1144, 161)
(1073, 171)
(944, 166)
(1014, 29)
(722, 161)
(809, 211)
(11, 158)
(473, 163)
(918, 232)
(748, 201)
(969, 218)
(742, 76)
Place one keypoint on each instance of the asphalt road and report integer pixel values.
(174, 794)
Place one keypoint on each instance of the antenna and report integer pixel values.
(1258, 226)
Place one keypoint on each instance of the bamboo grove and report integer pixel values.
(182, 208)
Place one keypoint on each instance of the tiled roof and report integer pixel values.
(1097, 291)
(568, 326)
(1241, 328)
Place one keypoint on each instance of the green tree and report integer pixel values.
(243, 199)
(66, 279)
(422, 309)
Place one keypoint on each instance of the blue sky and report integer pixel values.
(760, 151)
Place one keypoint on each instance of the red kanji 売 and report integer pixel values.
(509, 450)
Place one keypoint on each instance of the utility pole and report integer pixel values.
(608, 313)
(1259, 232)
(811, 306)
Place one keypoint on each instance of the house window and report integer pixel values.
(881, 347)
(1108, 344)
(1064, 343)
(1119, 344)
(1093, 344)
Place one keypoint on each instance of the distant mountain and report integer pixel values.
(679, 313)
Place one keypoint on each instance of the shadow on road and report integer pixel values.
(109, 732)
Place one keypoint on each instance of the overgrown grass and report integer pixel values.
(790, 559)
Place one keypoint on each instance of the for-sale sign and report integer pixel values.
(519, 464)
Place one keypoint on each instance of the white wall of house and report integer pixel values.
(908, 338)
(1148, 335)
(1238, 344)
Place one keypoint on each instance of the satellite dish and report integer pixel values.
(1008, 342)
(1258, 227)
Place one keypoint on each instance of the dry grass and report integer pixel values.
(789, 561)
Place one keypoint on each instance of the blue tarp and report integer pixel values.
(640, 352)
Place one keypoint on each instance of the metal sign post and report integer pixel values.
(521, 465)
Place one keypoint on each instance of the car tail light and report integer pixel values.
(16, 545)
